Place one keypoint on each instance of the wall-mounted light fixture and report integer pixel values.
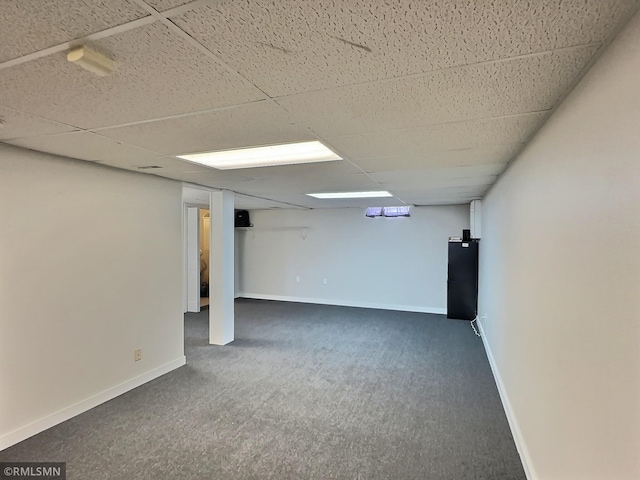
(91, 61)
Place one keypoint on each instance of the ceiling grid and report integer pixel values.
(429, 100)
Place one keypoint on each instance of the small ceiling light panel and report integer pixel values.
(91, 61)
(267, 156)
(377, 194)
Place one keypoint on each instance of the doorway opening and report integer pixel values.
(203, 246)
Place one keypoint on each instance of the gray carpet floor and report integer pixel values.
(304, 392)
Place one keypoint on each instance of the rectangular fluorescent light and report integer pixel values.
(267, 156)
(351, 195)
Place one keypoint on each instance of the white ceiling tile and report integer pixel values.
(310, 202)
(169, 166)
(246, 202)
(257, 123)
(176, 170)
(87, 146)
(32, 25)
(304, 170)
(440, 173)
(380, 82)
(353, 203)
(508, 87)
(291, 46)
(414, 142)
(298, 179)
(310, 184)
(447, 201)
(157, 74)
(453, 192)
(499, 154)
(18, 124)
(434, 196)
(423, 179)
(211, 176)
(209, 182)
(417, 186)
(162, 5)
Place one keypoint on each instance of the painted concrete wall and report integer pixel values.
(90, 270)
(560, 279)
(395, 263)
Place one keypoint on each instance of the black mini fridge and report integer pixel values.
(462, 281)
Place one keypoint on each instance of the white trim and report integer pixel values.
(518, 438)
(345, 303)
(49, 421)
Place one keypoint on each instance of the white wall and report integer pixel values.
(395, 263)
(90, 269)
(560, 279)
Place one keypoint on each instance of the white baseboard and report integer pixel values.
(525, 458)
(49, 421)
(343, 303)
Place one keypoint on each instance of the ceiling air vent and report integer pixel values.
(149, 167)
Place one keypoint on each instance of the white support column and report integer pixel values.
(221, 268)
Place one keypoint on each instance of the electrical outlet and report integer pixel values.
(324, 281)
(137, 355)
(297, 279)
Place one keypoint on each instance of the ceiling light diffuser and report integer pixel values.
(91, 61)
(267, 156)
(376, 194)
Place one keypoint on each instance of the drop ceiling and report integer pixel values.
(429, 100)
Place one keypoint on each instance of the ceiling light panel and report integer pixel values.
(377, 194)
(265, 156)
